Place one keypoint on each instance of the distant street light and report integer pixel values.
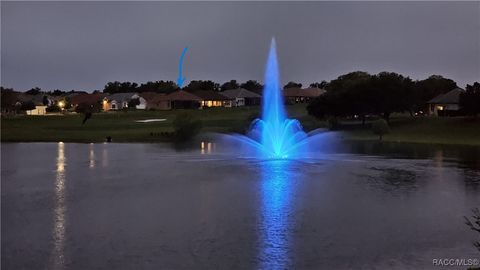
(61, 104)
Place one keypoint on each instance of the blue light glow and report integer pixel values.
(276, 193)
(274, 136)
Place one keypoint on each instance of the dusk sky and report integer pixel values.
(83, 45)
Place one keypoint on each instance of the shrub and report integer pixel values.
(27, 106)
(332, 123)
(53, 108)
(186, 126)
(380, 128)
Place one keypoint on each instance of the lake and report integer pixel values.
(362, 205)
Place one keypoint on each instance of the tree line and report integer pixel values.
(358, 94)
(353, 94)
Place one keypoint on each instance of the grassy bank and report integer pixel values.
(434, 130)
(121, 126)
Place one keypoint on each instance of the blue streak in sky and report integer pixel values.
(180, 78)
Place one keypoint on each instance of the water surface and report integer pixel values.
(148, 206)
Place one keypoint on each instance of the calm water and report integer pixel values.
(147, 206)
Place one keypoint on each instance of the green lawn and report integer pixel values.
(121, 126)
(435, 130)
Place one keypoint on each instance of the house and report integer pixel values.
(120, 101)
(298, 95)
(156, 101)
(446, 104)
(40, 101)
(183, 100)
(242, 97)
(212, 99)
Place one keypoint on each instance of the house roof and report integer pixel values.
(240, 93)
(149, 96)
(157, 98)
(181, 95)
(87, 98)
(121, 97)
(210, 95)
(451, 97)
(307, 92)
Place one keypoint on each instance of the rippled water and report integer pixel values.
(147, 206)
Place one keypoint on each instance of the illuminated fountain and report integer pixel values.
(274, 136)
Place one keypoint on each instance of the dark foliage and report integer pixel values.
(53, 108)
(252, 85)
(429, 88)
(120, 87)
(34, 91)
(27, 106)
(164, 87)
(292, 85)
(202, 85)
(8, 99)
(380, 128)
(186, 126)
(321, 85)
(232, 84)
(132, 103)
(359, 94)
(470, 100)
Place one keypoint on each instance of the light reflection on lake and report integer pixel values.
(92, 156)
(277, 187)
(60, 208)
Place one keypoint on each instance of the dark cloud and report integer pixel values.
(82, 45)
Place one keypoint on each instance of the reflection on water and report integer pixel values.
(276, 191)
(58, 252)
(206, 147)
(105, 155)
(91, 157)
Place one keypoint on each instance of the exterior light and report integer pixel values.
(61, 104)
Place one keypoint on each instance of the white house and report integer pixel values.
(120, 100)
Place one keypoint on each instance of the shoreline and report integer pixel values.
(345, 137)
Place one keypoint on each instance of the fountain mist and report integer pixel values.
(274, 136)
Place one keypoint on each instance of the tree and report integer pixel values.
(202, 85)
(252, 85)
(34, 91)
(56, 92)
(132, 103)
(186, 126)
(45, 100)
(357, 94)
(292, 85)
(120, 87)
(470, 100)
(8, 99)
(391, 92)
(232, 84)
(380, 128)
(321, 85)
(429, 88)
(27, 106)
(164, 87)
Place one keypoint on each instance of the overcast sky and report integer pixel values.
(83, 45)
